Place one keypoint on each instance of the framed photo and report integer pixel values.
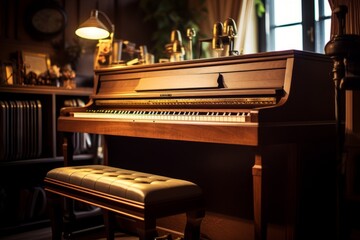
(7, 73)
(35, 62)
(103, 53)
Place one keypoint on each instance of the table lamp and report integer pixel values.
(93, 28)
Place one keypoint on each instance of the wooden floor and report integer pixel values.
(94, 234)
(45, 234)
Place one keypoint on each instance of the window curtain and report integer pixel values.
(352, 22)
(243, 12)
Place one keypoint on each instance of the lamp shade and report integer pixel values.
(93, 28)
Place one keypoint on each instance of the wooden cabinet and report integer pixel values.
(30, 146)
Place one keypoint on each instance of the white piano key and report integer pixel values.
(164, 115)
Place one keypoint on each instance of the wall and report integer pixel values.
(14, 35)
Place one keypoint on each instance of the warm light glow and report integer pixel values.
(93, 28)
(92, 33)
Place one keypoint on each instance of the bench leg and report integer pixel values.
(109, 221)
(193, 222)
(55, 208)
(69, 218)
(146, 229)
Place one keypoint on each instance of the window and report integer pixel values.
(297, 24)
(322, 24)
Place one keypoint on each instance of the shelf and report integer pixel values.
(30, 146)
(44, 160)
(29, 120)
(39, 89)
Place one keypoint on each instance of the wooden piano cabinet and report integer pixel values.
(352, 145)
(268, 174)
(351, 164)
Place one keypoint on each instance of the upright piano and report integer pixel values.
(283, 98)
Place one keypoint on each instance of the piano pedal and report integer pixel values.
(168, 237)
(164, 237)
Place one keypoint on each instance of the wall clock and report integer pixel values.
(45, 20)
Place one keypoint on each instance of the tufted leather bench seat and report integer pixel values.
(140, 196)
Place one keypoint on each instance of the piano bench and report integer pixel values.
(141, 197)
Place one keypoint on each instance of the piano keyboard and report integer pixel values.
(162, 115)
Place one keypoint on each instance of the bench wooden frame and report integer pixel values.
(144, 214)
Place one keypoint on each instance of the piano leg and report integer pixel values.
(105, 150)
(259, 223)
(261, 207)
(68, 148)
(69, 207)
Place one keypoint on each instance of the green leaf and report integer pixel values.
(260, 8)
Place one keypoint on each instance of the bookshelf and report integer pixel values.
(30, 146)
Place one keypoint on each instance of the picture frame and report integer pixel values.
(103, 53)
(35, 62)
(7, 73)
